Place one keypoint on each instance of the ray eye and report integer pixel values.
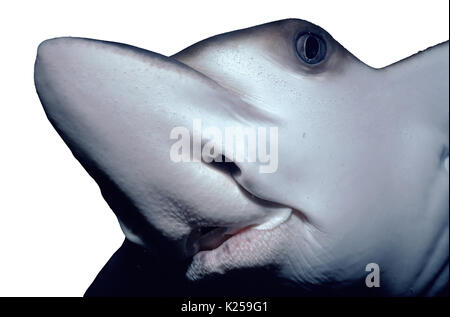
(311, 48)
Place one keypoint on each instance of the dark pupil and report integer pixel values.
(311, 47)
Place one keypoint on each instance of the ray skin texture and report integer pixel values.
(362, 175)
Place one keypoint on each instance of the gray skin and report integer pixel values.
(363, 154)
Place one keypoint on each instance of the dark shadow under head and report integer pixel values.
(134, 271)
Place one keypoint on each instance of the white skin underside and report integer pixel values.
(362, 169)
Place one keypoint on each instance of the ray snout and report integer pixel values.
(116, 107)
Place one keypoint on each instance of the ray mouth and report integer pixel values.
(208, 238)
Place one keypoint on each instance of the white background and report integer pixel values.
(56, 232)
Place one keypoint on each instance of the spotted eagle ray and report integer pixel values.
(362, 175)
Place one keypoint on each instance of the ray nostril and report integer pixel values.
(224, 165)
